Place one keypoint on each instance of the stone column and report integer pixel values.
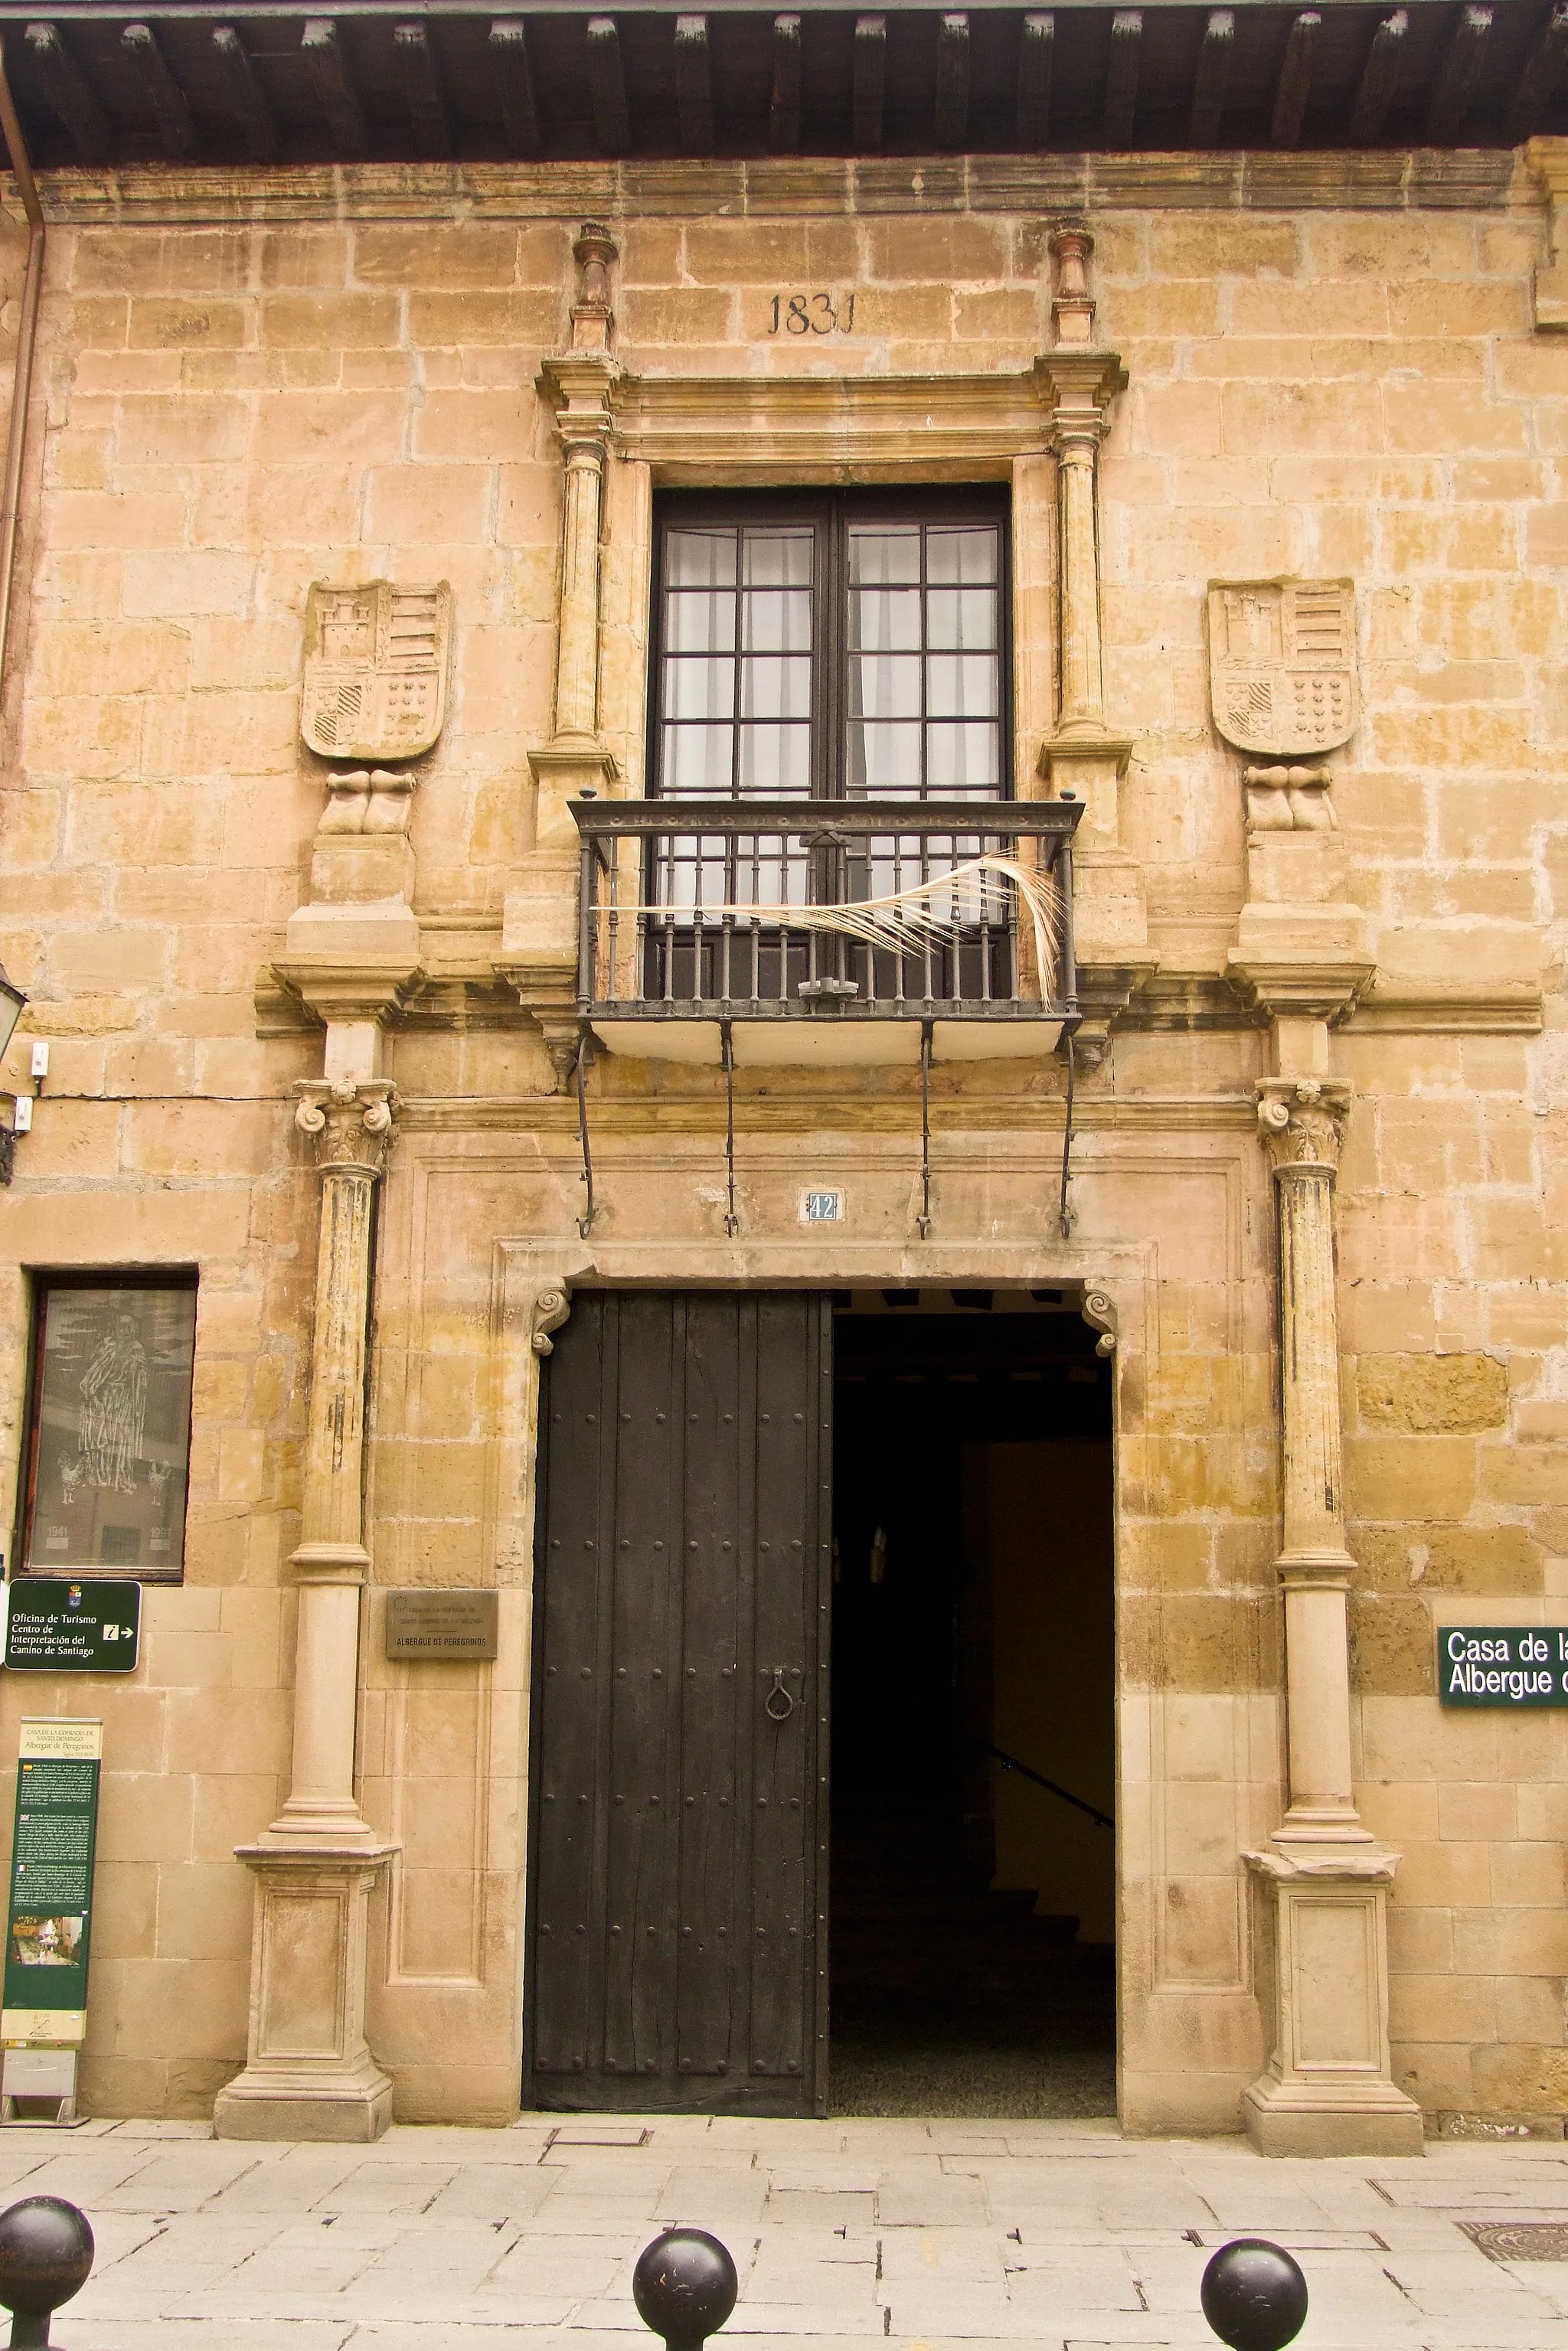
(538, 931)
(1327, 2090)
(310, 2073)
(1082, 758)
(1083, 715)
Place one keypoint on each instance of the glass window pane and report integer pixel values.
(777, 620)
(883, 619)
(697, 624)
(775, 689)
(775, 759)
(881, 556)
(779, 559)
(699, 689)
(962, 758)
(884, 759)
(961, 685)
(962, 618)
(114, 1422)
(697, 759)
(962, 559)
(886, 685)
(700, 559)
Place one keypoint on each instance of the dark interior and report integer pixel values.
(972, 1955)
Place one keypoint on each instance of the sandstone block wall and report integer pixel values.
(247, 386)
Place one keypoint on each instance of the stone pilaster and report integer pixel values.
(1327, 2089)
(539, 937)
(310, 2073)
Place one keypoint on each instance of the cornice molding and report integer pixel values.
(1394, 181)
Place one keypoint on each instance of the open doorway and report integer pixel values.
(972, 1950)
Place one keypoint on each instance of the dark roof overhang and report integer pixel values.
(190, 82)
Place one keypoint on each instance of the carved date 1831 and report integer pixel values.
(813, 314)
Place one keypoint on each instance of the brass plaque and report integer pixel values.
(442, 1625)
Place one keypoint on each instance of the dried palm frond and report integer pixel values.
(904, 921)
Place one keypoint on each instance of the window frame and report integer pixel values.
(41, 1282)
(832, 510)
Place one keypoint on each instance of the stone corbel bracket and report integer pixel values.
(1098, 1308)
(1548, 158)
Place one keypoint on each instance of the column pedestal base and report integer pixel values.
(309, 2073)
(353, 2109)
(1327, 2089)
(1289, 2118)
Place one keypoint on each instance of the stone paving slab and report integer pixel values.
(941, 2236)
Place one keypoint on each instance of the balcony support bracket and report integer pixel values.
(584, 1055)
(922, 1223)
(726, 1043)
(1066, 1216)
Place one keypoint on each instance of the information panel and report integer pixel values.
(1502, 1665)
(53, 1626)
(50, 1916)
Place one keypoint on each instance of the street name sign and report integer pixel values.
(1502, 1665)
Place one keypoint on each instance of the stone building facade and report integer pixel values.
(315, 1040)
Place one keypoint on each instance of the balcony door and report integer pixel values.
(843, 646)
(678, 1867)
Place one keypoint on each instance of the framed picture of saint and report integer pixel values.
(108, 1427)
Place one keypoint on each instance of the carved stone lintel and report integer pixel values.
(350, 1122)
(1099, 1310)
(1302, 1121)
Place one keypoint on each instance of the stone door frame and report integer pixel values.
(532, 1289)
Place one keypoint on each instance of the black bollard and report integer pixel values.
(1254, 2295)
(684, 2287)
(45, 2253)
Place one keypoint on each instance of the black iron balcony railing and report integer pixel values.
(844, 911)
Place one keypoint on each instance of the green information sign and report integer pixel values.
(53, 1626)
(50, 1915)
(1502, 1665)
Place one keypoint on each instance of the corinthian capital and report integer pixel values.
(349, 1121)
(1302, 1121)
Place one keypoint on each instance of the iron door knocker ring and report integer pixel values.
(774, 1712)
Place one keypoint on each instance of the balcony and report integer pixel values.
(826, 932)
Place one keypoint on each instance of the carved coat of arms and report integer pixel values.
(375, 669)
(1281, 663)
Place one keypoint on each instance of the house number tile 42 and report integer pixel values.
(811, 314)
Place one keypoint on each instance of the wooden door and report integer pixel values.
(678, 1881)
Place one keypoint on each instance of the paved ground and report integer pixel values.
(929, 2233)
